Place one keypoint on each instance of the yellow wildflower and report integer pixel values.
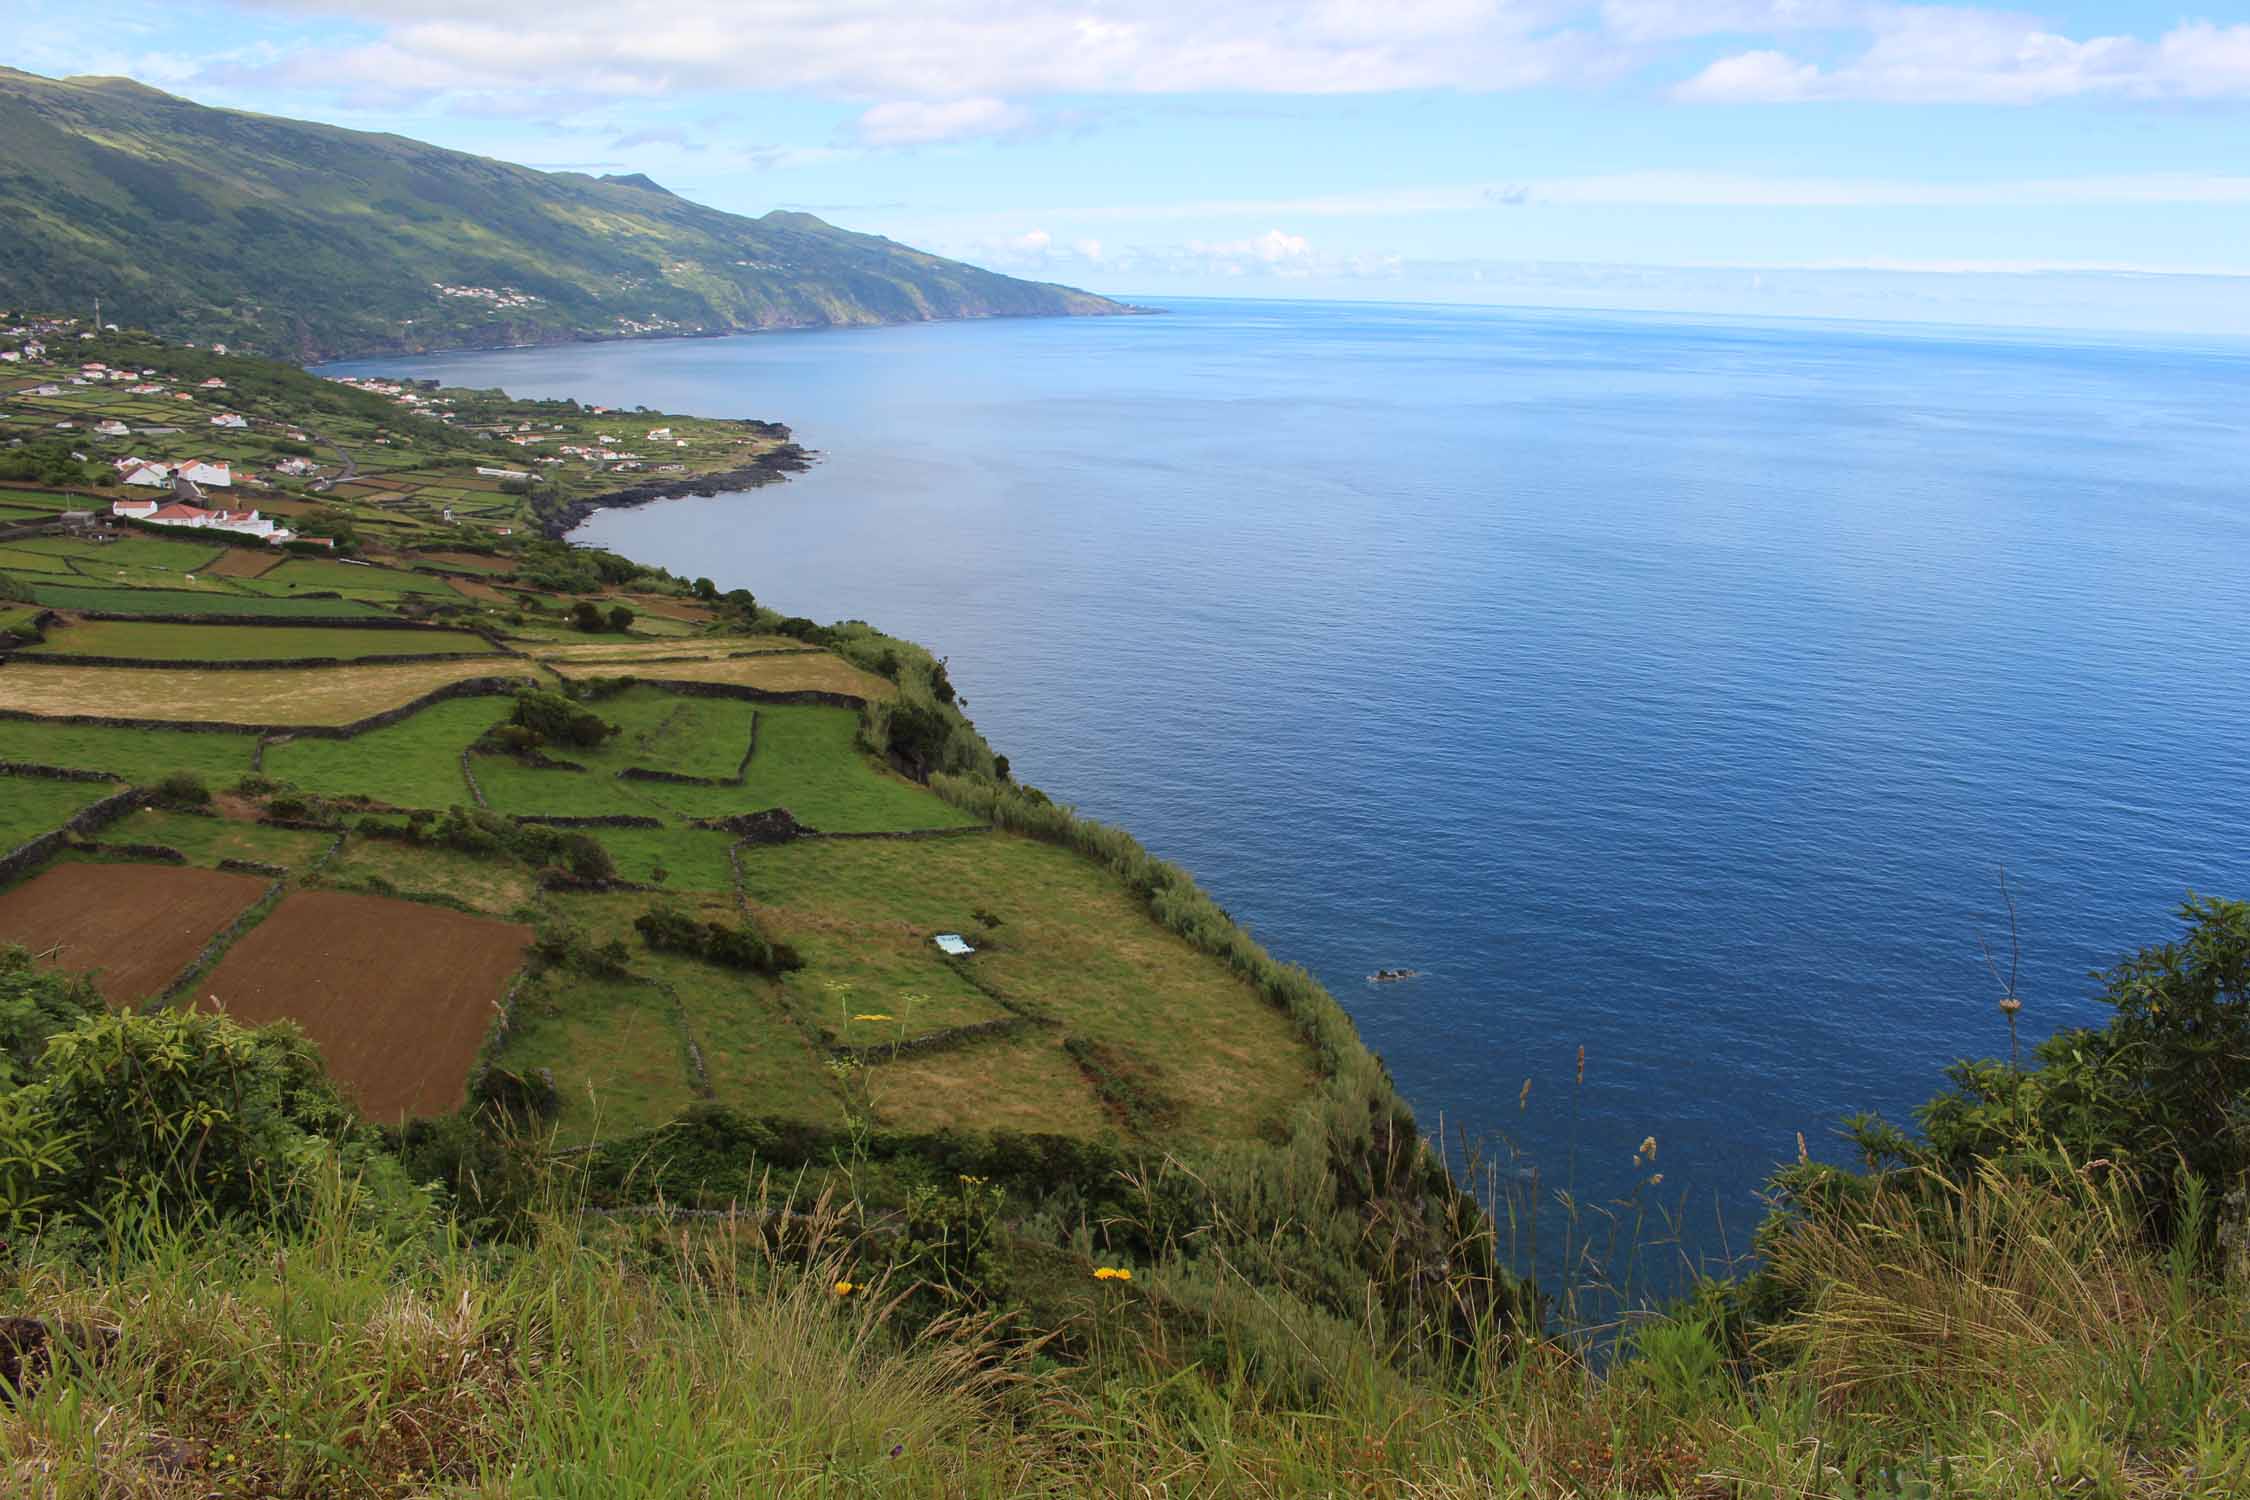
(845, 1289)
(874, 1015)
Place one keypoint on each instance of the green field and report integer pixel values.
(207, 840)
(32, 805)
(20, 559)
(153, 552)
(693, 859)
(497, 886)
(159, 601)
(616, 1049)
(321, 573)
(143, 756)
(415, 763)
(44, 500)
(756, 1053)
(157, 642)
(810, 762)
(1071, 943)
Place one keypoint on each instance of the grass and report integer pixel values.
(141, 755)
(20, 560)
(32, 805)
(754, 1051)
(810, 762)
(1072, 942)
(616, 1049)
(308, 695)
(158, 642)
(413, 763)
(819, 672)
(694, 859)
(152, 552)
(206, 841)
(127, 600)
(496, 887)
(319, 573)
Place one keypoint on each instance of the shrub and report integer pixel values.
(558, 720)
(668, 929)
(586, 615)
(183, 789)
(620, 619)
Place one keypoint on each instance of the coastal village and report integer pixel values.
(186, 444)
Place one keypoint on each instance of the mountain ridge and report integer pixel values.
(313, 241)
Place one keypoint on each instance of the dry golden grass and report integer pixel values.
(776, 674)
(322, 695)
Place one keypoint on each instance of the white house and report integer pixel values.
(214, 384)
(659, 432)
(228, 419)
(141, 471)
(112, 428)
(138, 510)
(204, 472)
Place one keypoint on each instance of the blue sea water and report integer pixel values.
(1671, 689)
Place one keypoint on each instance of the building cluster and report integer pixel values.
(190, 517)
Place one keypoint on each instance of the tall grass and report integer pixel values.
(2016, 1340)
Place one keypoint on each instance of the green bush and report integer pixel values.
(666, 928)
(558, 720)
(183, 789)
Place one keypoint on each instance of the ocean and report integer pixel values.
(1675, 690)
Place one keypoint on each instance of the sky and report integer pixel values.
(2082, 164)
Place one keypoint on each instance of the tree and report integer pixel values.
(586, 615)
(706, 590)
(620, 618)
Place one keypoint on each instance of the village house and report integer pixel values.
(228, 419)
(112, 428)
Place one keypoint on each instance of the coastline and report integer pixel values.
(769, 468)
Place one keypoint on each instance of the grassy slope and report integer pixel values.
(307, 239)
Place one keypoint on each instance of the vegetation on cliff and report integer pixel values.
(294, 238)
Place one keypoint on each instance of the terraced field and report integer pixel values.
(161, 642)
(311, 695)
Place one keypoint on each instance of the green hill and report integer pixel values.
(309, 241)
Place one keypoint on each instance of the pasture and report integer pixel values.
(304, 695)
(206, 840)
(32, 805)
(812, 672)
(413, 763)
(142, 756)
(123, 599)
(135, 927)
(1070, 942)
(150, 641)
(398, 996)
(301, 573)
(617, 1050)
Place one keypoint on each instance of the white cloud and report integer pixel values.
(905, 122)
(1273, 248)
(1942, 54)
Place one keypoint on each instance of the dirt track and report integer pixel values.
(139, 925)
(398, 996)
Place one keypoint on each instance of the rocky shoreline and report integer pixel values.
(769, 468)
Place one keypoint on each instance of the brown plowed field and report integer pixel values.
(397, 996)
(139, 925)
